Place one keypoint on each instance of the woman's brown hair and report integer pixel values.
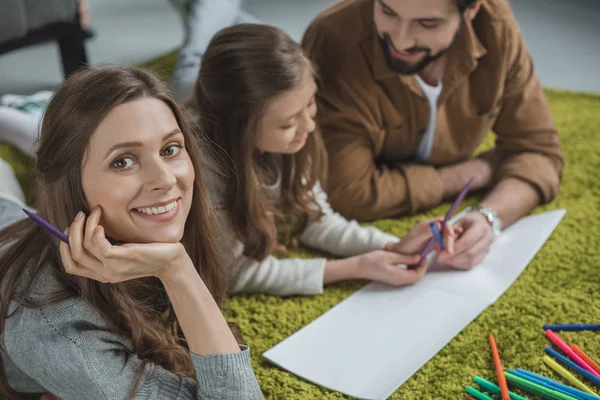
(243, 68)
(134, 309)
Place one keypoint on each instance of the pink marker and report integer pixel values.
(564, 347)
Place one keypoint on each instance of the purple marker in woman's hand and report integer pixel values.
(46, 225)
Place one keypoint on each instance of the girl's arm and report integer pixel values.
(339, 236)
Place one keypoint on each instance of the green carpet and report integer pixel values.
(560, 285)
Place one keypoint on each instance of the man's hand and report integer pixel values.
(480, 168)
(472, 245)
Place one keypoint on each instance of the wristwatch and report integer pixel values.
(491, 216)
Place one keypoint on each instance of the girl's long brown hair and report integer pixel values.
(243, 68)
(134, 309)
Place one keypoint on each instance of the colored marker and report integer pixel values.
(477, 394)
(499, 370)
(530, 390)
(47, 226)
(573, 327)
(548, 385)
(557, 385)
(437, 235)
(549, 388)
(566, 362)
(448, 215)
(563, 346)
(585, 358)
(494, 389)
(559, 369)
(536, 389)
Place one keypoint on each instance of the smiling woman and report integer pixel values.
(137, 167)
(119, 166)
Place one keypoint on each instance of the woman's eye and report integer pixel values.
(122, 163)
(286, 127)
(172, 150)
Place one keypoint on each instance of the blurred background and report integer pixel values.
(562, 35)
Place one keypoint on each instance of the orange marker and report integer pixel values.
(586, 358)
(499, 370)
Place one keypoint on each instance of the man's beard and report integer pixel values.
(403, 67)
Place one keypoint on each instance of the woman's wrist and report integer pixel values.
(200, 318)
(178, 270)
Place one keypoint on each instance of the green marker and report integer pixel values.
(492, 388)
(477, 394)
(536, 389)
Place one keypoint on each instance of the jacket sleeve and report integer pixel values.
(351, 123)
(525, 130)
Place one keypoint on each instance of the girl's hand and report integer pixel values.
(92, 256)
(416, 239)
(390, 268)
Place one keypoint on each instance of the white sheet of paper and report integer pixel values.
(356, 349)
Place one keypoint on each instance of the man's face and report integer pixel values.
(413, 34)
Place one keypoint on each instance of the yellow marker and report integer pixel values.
(559, 369)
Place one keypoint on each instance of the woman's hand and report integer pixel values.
(92, 256)
(390, 268)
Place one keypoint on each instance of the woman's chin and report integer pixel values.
(165, 238)
(157, 236)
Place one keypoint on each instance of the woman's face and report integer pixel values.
(137, 169)
(289, 118)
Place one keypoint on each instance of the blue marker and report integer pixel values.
(437, 235)
(555, 385)
(566, 362)
(573, 327)
(542, 383)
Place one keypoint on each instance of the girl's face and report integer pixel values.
(137, 169)
(289, 118)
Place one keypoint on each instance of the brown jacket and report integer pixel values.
(373, 119)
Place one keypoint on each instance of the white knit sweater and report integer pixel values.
(332, 233)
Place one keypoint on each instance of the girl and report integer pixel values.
(117, 164)
(255, 99)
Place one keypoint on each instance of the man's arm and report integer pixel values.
(352, 126)
(527, 136)
(528, 155)
(511, 199)
(528, 146)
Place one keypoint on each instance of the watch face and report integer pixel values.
(489, 216)
(492, 218)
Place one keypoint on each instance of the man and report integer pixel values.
(409, 90)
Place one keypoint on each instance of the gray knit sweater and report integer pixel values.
(68, 350)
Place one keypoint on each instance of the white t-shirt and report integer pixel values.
(432, 93)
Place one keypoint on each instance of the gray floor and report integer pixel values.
(562, 35)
